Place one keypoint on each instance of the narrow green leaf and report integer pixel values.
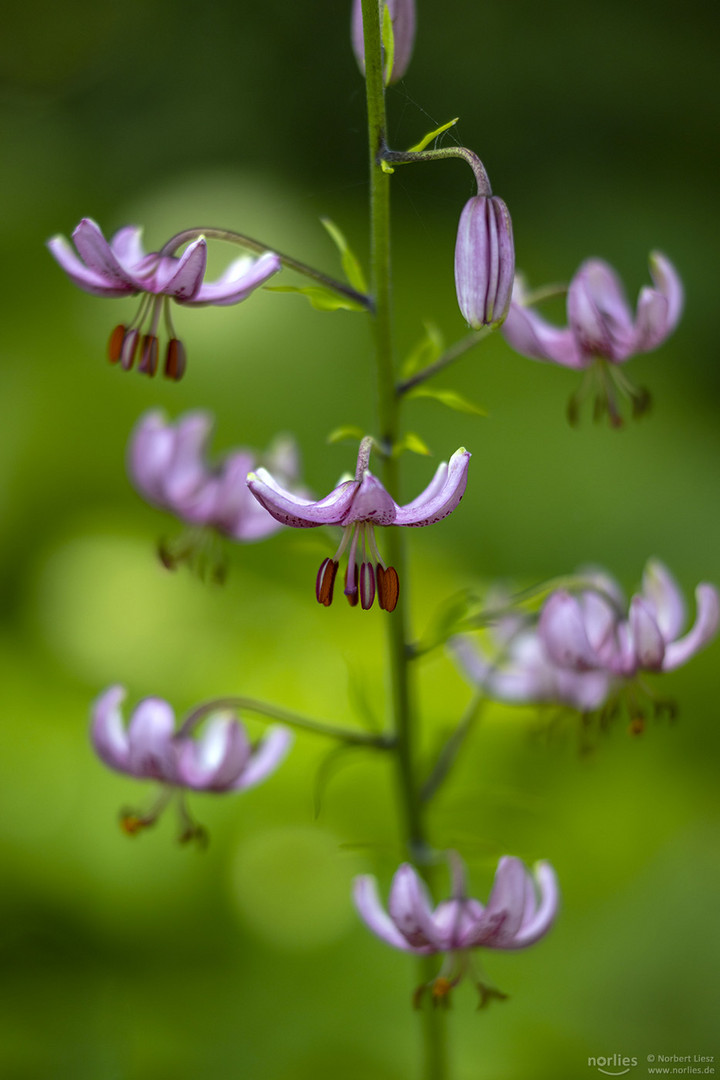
(426, 352)
(411, 442)
(322, 299)
(388, 40)
(350, 263)
(432, 135)
(386, 168)
(343, 434)
(450, 398)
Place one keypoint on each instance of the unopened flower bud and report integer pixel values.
(402, 16)
(484, 261)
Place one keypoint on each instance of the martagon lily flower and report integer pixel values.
(590, 633)
(602, 332)
(123, 268)
(521, 909)
(222, 759)
(167, 463)
(358, 505)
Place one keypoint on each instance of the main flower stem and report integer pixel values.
(434, 1056)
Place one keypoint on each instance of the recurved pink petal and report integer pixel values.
(647, 640)
(150, 733)
(410, 910)
(703, 631)
(182, 278)
(371, 502)
(107, 730)
(97, 254)
(439, 499)
(239, 280)
(531, 335)
(562, 631)
(213, 761)
(502, 918)
(290, 509)
(539, 916)
(662, 593)
(90, 280)
(374, 915)
(265, 758)
(126, 246)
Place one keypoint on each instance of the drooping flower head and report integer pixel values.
(521, 909)
(592, 632)
(222, 759)
(484, 261)
(167, 463)
(602, 331)
(123, 268)
(403, 18)
(358, 505)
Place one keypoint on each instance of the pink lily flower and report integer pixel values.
(121, 267)
(222, 759)
(602, 331)
(589, 632)
(521, 909)
(358, 506)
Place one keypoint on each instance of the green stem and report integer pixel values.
(248, 244)
(448, 357)
(284, 716)
(435, 1052)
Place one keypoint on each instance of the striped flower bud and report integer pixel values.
(484, 261)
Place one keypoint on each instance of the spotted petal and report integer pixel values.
(290, 509)
(441, 496)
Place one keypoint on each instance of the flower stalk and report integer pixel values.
(249, 244)
(434, 1040)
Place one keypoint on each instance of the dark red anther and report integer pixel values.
(148, 355)
(115, 344)
(175, 360)
(388, 588)
(367, 585)
(325, 582)
(351, 585)
(129, 349)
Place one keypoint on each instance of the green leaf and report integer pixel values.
(322, 299)
(344, 434)
(432, 135)
(426, 352)
(388, 40)
(350, 263)
(386, 168)
(450, 398)
(411, 442)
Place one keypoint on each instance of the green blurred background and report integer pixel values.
(141, 960)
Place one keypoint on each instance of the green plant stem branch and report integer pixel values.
(257, 246)
(285, 716)
(433, 1024)
(448, 357)
(411, 157)
(448, 754)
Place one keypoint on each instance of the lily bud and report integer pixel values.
(484, 261)
(402, 16)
